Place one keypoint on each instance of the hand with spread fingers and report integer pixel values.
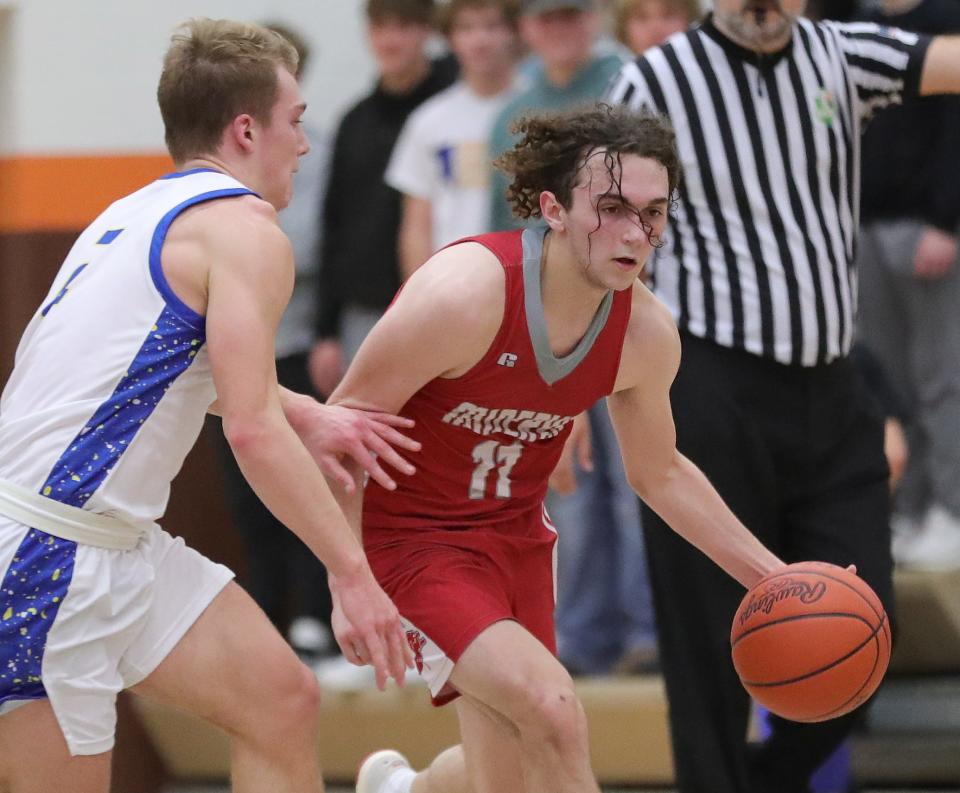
(367, 627)
(333, 432)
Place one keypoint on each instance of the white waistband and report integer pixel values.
(66, 521)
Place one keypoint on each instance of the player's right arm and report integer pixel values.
(248, 267)
(669, 483)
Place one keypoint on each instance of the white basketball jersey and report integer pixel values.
(112, 382)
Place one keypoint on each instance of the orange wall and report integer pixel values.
(61, 193)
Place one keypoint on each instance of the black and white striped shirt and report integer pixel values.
(759, 254)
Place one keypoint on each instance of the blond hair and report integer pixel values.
(215, 70)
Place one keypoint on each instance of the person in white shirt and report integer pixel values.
(441, 162)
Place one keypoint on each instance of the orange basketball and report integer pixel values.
(811, 641)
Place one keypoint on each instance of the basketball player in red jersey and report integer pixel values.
(492, 347)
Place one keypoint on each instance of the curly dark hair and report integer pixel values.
(553, 149)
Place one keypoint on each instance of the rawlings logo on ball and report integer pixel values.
(779, 590)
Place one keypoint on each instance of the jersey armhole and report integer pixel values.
(176, 305)
(623, 326)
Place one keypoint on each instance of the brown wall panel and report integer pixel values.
(28, 264)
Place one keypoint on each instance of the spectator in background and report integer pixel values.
(562, 34)
(440, 163)
(284, 577)
(359, 270)
(910, 291)
(641, 24)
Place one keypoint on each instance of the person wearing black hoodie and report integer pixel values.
(359, 269)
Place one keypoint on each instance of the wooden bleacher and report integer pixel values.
(927, 638)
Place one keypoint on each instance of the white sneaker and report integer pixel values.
(379, 769)
(938, 546)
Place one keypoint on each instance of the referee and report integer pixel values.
(758, 269)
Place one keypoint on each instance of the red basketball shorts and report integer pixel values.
(451, 585)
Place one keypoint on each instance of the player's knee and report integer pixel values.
(305, 695)
(553, 713)
(294, 700)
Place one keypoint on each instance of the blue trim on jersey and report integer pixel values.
(109, 236)
(179, 174)
(30, 596)
(186, 313)
(169, 348)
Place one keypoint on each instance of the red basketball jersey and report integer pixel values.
(492, 436)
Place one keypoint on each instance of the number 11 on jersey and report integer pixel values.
(489, 455)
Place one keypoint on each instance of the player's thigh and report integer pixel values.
(34, 757)
(491, 747)
(509, 670)
(231, 667)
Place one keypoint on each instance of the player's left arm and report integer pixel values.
(941, 67)
(668, 482)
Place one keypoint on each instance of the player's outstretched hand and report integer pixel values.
(331, 432)
(367, 627)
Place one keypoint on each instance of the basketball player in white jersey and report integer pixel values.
(166, 308)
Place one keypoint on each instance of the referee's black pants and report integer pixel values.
(797, 453)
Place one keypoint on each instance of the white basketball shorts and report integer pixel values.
(79, 624)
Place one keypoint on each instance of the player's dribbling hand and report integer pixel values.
(333, 431)
(367, 627)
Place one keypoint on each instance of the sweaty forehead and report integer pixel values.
(640, 180)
